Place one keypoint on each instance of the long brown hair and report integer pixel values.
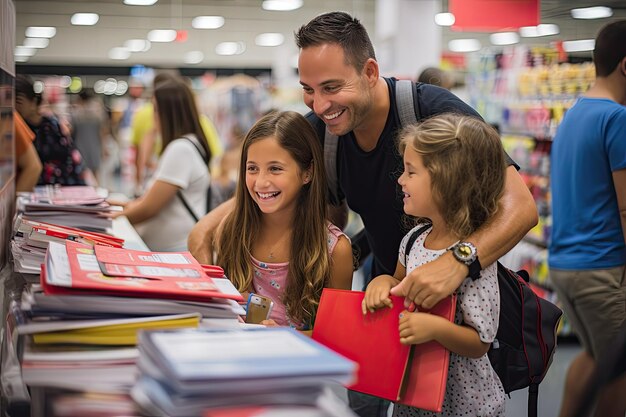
(309, 265)
(466, 163)
(178, 113)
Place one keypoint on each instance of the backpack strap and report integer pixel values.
(405, 103)
(182, 199)
(179, 193)
(412, 239)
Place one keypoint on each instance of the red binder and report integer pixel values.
(413, 375)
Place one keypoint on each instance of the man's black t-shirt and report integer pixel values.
(369, 180)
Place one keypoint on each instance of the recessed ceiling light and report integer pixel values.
(40, 32)
(544, 29)
(119, 52)
(207, 22)
(444, 19)
(140, 2)
(162, 35)
(597, 12)
(122, 88)
(22, 58)
(269, 39)
(579, 45)
(24, 51)
(504, 38)
(137, 45)
(281, 5)
(464, 45)
(230, 48)
(38, 87)
(85, 19)
(193, 57)
(36, 42)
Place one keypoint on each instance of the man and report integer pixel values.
(587, 255)
(342, 86)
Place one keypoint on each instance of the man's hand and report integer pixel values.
(377, 293)
(429, 283)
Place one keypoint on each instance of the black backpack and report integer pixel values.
(526, 339)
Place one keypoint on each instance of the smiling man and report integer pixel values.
(342, 86)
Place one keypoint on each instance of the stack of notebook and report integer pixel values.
(191, 372)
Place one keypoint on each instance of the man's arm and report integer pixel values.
(619, 182)
(517, 214)
(200, 237)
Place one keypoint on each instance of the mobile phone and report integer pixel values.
(258, 308)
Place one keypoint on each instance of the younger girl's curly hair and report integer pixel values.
(466, 163)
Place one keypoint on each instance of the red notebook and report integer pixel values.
(74, 269)
(413, 375)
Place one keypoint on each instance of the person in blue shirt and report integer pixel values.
(587, 254)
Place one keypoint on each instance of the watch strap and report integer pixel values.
(474, 269)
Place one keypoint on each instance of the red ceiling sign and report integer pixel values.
(493, 15)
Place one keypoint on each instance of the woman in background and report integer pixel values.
(163, 215)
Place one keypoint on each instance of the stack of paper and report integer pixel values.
(184, 373)
(31, 239)
(76, 206)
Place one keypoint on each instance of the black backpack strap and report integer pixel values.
(533, 394)
(179, 194)
(412, 239)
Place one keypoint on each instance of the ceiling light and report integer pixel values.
(207, 22)
(162, 35)
(281, 5)
(21, 58)
(122, 88)
(193, 57)
(119, 53)
(269, 39)
(137, 45)
(230, 48)
(504, 38)
(579, 45)
(464, 45)
(24, 51)
(85, 19)
(444, 19)
(36, 42)
(38, 87)
(544, 29)
(40, 32)
(140, 2)
(597, 12)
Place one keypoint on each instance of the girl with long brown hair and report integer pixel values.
(276, 241)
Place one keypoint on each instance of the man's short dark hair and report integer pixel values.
(610, 48)
(341, 29)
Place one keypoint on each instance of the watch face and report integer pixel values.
(464, 251)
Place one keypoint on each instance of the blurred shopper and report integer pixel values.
(88, 126)
(28, 165)
(436, 76)
(587, 255)
(178, 188)
(145, 135)
(62, 162)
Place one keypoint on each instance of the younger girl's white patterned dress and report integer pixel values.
(473, 387)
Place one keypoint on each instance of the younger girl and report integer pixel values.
(179, 186)
(276, 241)
(454, 171)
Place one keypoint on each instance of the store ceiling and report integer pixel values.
(245, 19)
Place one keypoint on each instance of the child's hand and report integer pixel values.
(416, 328)
(269, 323)
(377, 293)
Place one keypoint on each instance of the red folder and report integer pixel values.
(85, 277)
(413, 375)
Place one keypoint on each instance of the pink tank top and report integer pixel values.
(270, 279)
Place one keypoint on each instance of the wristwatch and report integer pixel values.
(466, 253)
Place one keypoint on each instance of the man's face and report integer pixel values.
(337, 93)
